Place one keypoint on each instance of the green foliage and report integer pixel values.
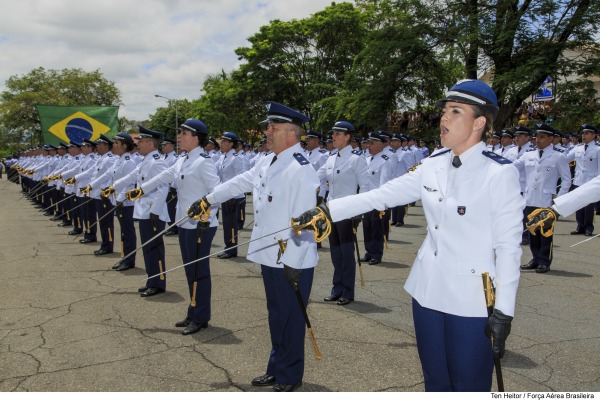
(18, 117)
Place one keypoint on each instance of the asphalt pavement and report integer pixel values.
(68, 322)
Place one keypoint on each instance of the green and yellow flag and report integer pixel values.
(76, 123)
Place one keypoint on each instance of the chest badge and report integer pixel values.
(461, 210)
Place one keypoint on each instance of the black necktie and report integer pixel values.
(585, 147)
(456, 162)
(519, 149)
(273, 160)
(541, 152)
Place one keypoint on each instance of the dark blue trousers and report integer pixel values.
(455, 353)
(373, 234)
(87, 214)
(231, 209)
(540, 246)
(286, 324)
(341, 243)
(242, 214)
(172, 207)
(154, 253)
(194, 244)
(398, 214)
(128, 235)
(73, 213)
(585, 216)
(107, 223)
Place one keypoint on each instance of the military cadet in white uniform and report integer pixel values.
(229, 166)
(194, 175)
(506, 142)
(345, 174)
(315, 155)
(523, 144)
(150, 209)
(80, 177)
(495, 142)
(405, 162)
(473, 209)
(123, 166)
(71, 168)
(213, 149)
(587, 167)
(380, 172)
(170, 156)
(104, 208)
(543, 168)
(283, 184)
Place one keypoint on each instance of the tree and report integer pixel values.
(168, 119)
(40, 86)
(521, 41)
(301, 62)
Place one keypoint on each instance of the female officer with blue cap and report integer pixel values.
(343, 172)
(472, 202)
(193, 175)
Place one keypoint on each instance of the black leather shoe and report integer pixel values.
(142, 289)
(589, 233)
(183, 323)
(342, 301)
(101, 252)
(171, 233)
(365, 259)
(193, 328)
(374, 262)
(577, 233)
(74, 232)
(55, 218)
(529, 265)
(263, 380)
(152, 291)
(280, 387)
(331, 298)
(125, 267)
(86, 241)
(65, 224)
(225, 256)
(48, 213)
(542, 269)
(117, 265)
(399, 224)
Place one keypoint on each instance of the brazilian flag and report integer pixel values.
(76, 123)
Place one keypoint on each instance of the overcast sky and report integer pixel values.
(146, 47)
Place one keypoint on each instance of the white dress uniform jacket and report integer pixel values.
(123, 167)
(151, 202)
(229, 166)
(194, 176)
(542, 176)
(344, 174)
(70, 170)
(100, 177)
(379, 170)
(587, 161)
(514, 154)
(280, 191)
(582, 196)
(473, 226)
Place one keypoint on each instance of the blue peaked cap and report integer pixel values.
(195, 126)
(146, 133)
(232, 137)
(473, 92)
(344, 126)
(279, 113)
